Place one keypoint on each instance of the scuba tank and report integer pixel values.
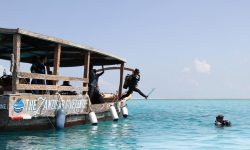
(127, 81)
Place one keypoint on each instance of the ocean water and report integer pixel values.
(151, 124)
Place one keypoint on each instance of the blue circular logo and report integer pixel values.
(18, 106)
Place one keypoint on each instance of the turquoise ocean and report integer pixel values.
(151, 124)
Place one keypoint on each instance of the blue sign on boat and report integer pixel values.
(18, 106)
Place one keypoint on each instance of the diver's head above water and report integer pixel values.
(221, 122)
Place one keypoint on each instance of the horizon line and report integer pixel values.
(192, 99)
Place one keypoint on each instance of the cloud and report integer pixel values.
(189, 73)
(201, 66)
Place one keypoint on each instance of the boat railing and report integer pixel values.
(115, 68)
(54, 78)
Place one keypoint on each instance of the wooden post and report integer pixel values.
(86, 69)
(57, 56)
(16, 63)
(121, 80)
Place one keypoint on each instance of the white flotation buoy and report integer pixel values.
(92, 118)
(125, 112)
(114, 113)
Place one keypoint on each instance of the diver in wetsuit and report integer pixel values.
(220, 122)
(94, 92)
(132, 83)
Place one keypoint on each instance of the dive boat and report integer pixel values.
(22, 109)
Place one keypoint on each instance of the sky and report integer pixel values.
(184, 49)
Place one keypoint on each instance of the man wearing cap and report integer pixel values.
(133, 83)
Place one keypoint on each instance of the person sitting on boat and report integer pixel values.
(50, 82)
(131, 82)
(66, 83)
(5, 82)
(220, 122)
(94, 92)
(38, 66)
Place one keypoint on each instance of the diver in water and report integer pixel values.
(220, 122)
(131, 82)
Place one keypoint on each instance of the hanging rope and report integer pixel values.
(59, 100)
(89, 104)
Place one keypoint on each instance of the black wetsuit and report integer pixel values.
(94, 92)
(132, 86)
(224, 123)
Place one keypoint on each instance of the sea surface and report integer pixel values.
(151, 124)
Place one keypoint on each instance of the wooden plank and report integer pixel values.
(50, 77)
(98, 108)
(8, 31)
(115, 68)
(86, 69)
(49, 87)
(121, 80)
(16, 63)
(57, 55)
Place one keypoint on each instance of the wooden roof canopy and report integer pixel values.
(35, 44)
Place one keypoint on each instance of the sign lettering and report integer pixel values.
(52, 104)
(3, 106)
(31, 105)
(46, 106)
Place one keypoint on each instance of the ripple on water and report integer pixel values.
(155, 124)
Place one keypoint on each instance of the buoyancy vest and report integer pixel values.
(127, 81)
(131, 81)
(224, 123)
